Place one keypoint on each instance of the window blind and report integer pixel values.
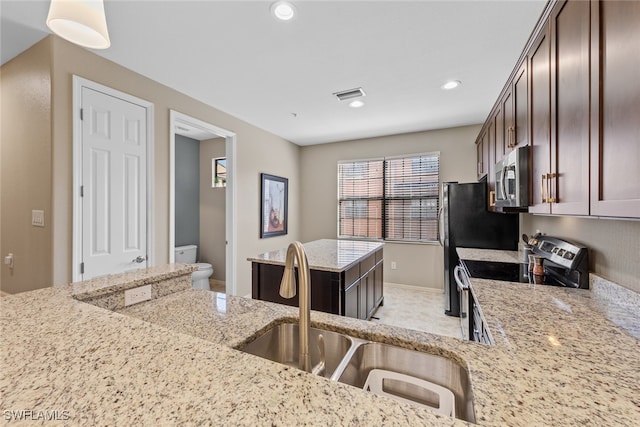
(360, 198)
(411, 198)
(393, 199)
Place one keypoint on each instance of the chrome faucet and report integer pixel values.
(295, 251)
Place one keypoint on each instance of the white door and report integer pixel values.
(114, 187)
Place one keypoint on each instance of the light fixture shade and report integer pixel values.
(80, 21)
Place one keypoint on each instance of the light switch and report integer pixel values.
(37, 218)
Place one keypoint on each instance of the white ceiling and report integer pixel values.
(235, 56)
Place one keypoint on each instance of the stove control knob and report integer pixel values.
(569, 255)
(561, 252)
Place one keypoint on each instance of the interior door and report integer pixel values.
(114, 186)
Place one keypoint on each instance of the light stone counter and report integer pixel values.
(560, 359)
(325, 254)
(491, 255)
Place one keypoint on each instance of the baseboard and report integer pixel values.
(4, 294)
(415, 288)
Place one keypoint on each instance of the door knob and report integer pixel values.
(140, 259)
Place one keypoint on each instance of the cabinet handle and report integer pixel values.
(551, 199)
(492, 198)
(511, 137)
(543, 189)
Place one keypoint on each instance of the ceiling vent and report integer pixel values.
(351, 93)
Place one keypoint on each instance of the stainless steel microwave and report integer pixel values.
(512, 179)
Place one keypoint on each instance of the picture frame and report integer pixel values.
(274, 199)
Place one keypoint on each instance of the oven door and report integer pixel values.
(462, 280)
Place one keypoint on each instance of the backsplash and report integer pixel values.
(614, 245)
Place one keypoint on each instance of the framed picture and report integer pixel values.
(273, 206)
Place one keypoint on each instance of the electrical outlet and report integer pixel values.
(394, 265)
(136, 295)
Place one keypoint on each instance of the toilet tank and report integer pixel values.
(186, 254)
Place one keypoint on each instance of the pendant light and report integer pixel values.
(80, 21)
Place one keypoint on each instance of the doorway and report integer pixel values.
(182, 125)
(112, 158)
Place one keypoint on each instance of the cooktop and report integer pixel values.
(514, 272)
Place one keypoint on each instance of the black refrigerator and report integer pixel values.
(466, 222)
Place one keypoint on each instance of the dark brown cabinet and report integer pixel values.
(615, 100)
(568, 180)
(575, 102)
(356, 292)
(540, 117)
(482, 146)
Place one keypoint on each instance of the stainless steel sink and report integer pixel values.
(424, 367)
(406, 375)
(281, 344)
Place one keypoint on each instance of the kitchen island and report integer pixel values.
(346, 277)
(562, 357)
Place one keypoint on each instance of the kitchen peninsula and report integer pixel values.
(562, 357)
(346, 277)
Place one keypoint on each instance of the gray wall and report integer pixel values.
(187, 191)
(417, 264)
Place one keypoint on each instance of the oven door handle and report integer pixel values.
(461, 278)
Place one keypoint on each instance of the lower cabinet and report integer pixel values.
(356, 292)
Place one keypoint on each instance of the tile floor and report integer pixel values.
(412, 307)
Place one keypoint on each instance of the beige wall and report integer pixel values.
(614, 245)
(417, 264)
(256, 151)
(25, 147)
(212, 210)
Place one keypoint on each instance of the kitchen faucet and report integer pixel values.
(295, 251)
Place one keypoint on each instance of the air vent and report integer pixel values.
(351, 93)
(183, 129)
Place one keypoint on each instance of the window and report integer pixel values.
(219, 172)
(391, 199)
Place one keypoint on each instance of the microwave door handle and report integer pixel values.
(503, 183)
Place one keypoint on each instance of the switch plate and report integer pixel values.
(136, 295)
(37, 218)
(394, 265)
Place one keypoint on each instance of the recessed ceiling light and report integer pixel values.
(283, 10)
(452, 84)
(356, 104)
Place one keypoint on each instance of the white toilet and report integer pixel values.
(200, 278)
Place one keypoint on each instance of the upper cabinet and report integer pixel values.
(540, 117)
(575, 101)
(568, 180)
(615, 113)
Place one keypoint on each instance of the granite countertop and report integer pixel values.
(562, 357)
(492, 255)
(325, 254)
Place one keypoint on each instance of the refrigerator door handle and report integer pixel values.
(441, 226)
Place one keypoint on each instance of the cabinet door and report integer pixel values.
(570, 106)
(491, 173)
(507, 123)
(615, 124)
(378, 280)
(351, 300)
(482, 147)
(520, 108)
(540, 116)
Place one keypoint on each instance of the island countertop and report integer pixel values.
(325, 254)
(172, 361)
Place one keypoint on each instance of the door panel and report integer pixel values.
(570, 100)
(615, 134)
(114, 203)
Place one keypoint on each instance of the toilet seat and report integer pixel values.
(203, 265)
